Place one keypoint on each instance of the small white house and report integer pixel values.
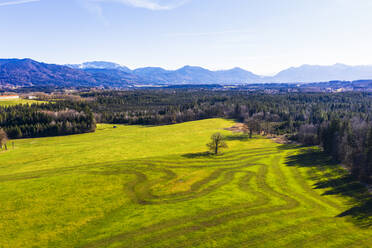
(9, 97)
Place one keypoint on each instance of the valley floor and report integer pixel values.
(157, 187)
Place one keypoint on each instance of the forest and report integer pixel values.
(42, 120)
(341, 123)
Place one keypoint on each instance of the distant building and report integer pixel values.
(9, 97)
(32, 97)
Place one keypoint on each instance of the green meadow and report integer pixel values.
(135, 186)
(13, 102)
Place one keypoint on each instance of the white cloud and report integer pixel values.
(147, 4)
(96, 6)
(9, 3)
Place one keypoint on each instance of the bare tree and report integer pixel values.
(253, 126)
(3, 139)
(217, 143)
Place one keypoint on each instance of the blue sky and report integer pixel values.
(263, 36)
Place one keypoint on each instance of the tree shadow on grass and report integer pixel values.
(203, 155)
(309, 157)
(330, 176)
(284, 147)
(239, 137)
(197, 155)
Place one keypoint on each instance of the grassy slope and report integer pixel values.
(17, 101)
(140, 187)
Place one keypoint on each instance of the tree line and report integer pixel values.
(41, 120)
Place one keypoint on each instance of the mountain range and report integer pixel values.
(28, 72)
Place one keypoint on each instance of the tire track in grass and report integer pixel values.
(283, 184)
(279, 233)
(219, 216)
(140, 189)
(262, 221)
(201, 225)
(310, 192)
(155, 227)
(186, 220)
(297, 175)
(253, 241)
(314, 239)
(215, 222)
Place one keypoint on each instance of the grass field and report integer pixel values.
(17, 101)
(156, 187)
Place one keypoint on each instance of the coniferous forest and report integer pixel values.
(41, 120)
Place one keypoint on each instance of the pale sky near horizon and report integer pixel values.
(263, 36)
